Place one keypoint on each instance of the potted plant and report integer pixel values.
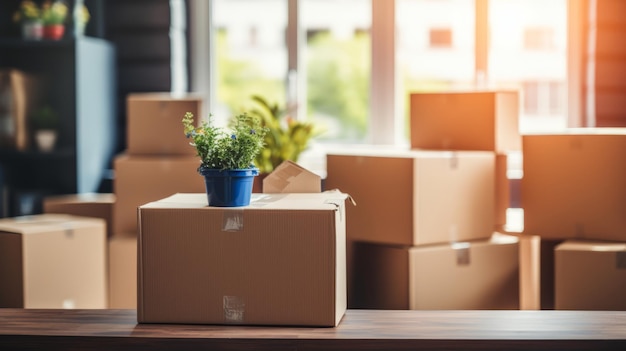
(44, 122)
(285, 140)
(29, 16)
(53, 14)
(227, 157)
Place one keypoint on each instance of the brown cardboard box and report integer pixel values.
(123, 271)
(590, 275)
(278, 261)
(485, 120)
(530, 272)
(471, 275)
(416, 197)
(53, 261)
(84, 205)
(573, 185)
(139, 180)
(289, 177)
(154, 122)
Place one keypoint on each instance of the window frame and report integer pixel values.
(385, 117)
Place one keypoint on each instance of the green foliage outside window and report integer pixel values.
(338, 74)
(338, 82)
(239, 79)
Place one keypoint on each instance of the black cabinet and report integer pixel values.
(77, 78)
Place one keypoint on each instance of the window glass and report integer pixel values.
(251, 53)
(337, 57)
(435, 47)
(528, 52)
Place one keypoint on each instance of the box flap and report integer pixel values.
(290, 177)
(308, 201)
(44, 223)
(578, 245)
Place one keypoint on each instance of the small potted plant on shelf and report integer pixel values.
(44, 122)
(285, 140)
(29, 16)
(53, 14)
(227, 157)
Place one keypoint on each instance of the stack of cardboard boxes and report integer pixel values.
(422, 233)
(574, 198)
(158, 162)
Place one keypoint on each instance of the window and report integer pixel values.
(250, 51)
(422, 66)
(337, 55)
(528, 53)
(318, 56)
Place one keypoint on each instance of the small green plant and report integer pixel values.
(286, 138)
(53, 12)
(226, 148)
(28, 11)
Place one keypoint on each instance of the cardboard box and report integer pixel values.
(122, 266)
(590, 275)
(530, 272)
(53, 261)
(416, 197)
(289, 177)
(278, 261)
(471, 275)
(485, 120)
(139, 180)
(574, 185)
(154, 123)
(85, 205)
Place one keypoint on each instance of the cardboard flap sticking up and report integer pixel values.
(289, 177)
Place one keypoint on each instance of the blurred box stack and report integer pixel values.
(574, 199)
(425, 218)
(95, 205)
(158, 162)
(53, 261)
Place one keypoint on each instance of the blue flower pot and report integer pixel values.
(228, 188)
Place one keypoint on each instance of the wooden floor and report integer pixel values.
(116, 330)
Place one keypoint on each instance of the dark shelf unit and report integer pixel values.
(77, 77)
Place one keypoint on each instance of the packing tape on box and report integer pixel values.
(462, 251)
(234, 309)
(232, 220)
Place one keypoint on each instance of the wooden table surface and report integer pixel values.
(26, 329)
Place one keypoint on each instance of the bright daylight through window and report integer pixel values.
(315, 56)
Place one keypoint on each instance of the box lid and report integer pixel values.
(579, 245)
(309, 201)
(289, 177)
(45, 222)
